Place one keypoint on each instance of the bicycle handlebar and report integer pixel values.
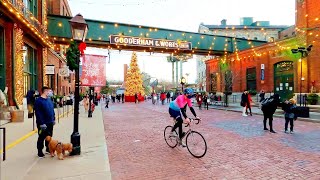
(193, 119)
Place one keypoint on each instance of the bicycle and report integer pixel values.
(195, 142)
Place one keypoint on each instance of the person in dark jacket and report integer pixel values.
(268, 110)
(244, 102)
(45, 115)
(168, 97)
(290, 115)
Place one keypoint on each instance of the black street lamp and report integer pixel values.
(79, 29)
(304, 53)
(182, 82)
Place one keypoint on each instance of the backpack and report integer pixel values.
(267, 102)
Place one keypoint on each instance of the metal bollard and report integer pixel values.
(4, 143)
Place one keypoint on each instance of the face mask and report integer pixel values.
(50, 94)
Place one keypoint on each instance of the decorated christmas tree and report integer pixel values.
(134, 79)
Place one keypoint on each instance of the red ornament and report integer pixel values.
(82, 47)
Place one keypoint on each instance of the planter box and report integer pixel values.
(17, 116)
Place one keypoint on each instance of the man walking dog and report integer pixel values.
(45, 115)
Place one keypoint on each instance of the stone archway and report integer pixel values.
(284, 79)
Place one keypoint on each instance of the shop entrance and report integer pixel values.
(284, 79)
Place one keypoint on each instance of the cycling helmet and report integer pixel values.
(188, 91)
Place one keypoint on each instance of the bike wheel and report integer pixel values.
(196, 144)
(170, 140)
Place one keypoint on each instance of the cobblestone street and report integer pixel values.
(238, 148)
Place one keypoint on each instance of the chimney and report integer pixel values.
(224, 22)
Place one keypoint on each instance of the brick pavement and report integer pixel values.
(238, 148)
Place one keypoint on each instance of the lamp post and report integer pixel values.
(304, 53)
(182, 82)
(79, 29)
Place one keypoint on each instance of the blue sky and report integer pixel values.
(180, 15)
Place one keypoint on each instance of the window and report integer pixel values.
(30, 69)
(32, 6)
(251, 79)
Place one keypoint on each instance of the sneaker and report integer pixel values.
(181, 143)
(272, 131)
(291, 132)
(41, 155)
(244, 115)
(47, 151)
(266, 129)
(286, 131)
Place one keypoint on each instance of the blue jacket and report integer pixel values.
(44, 111)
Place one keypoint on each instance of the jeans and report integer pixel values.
(42, 134)
(287, 122)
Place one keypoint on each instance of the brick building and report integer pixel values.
(248, 29)
(56, 57)
(23, 47)
(272, 66)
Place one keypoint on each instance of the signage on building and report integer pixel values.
(49, 69)
(64, 71)
(262, 72)
(149, 42)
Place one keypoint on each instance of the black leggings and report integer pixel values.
(287, 122)
(179, 121)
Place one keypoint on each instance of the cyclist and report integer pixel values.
(180, 104)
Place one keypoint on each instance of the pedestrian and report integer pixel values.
(135, 98)
(248, 105)
(268, 109)
(122, 97)
(168, 97)
(45, 116)
(163, 97)
(107, 101)
(206, 101)
(85, 103)
(290, 115)
(244, 102)
(199, 100)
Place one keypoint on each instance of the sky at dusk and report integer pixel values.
(183, 15)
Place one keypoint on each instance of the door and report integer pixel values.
(284, 79)
(2, 61)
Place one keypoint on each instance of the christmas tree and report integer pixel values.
(134, 78)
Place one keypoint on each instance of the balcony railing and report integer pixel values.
(20, 7)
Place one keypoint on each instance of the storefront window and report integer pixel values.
(251, 79)
(30, 69)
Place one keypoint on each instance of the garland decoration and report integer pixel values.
(72, 54)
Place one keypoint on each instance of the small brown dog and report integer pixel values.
(54, 145)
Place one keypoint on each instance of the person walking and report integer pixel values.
(107, 101)
(290, 115)
(85, 102)
(199, 100)
(244, 102)
(248, 105)
(168, 97)
(135, 98)
(45, 116)
(122, 97)
(206, 101)
(268, 109)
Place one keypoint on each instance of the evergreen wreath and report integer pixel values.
(72, 54)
